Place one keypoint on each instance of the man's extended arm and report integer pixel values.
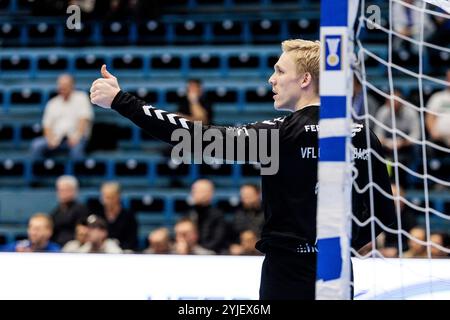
(162, 124)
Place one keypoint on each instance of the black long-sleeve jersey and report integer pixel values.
(290, 195)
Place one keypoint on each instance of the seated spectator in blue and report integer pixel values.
(68, 211)
(122, 224)
(195, 106)
(210, 222)
(97, 238)
(40, 228)
(250, 215)
(66, 123)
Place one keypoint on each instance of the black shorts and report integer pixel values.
(288, 277)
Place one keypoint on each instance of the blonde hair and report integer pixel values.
(306, 55)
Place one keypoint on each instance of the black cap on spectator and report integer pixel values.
(94, 221)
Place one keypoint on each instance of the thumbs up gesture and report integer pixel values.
(103, 90)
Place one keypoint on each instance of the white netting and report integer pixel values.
(403, 66)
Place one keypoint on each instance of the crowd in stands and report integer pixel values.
(75, 227)
(68, 119)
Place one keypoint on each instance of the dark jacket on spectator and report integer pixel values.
(124, 229)
(211, 225)
(65, 219)
(247, 219)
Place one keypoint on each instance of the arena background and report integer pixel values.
(153, 47)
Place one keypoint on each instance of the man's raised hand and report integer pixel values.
(103, 90)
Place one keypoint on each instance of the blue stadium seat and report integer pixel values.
(222, 95)
(115, 33)
(48, 168)
(53, 63)
(148, 95)
(11, 168)
(9, 34)
(131, 168)
(28, 132)
(304, 26)
(42, 33)
(243, 61)
(171, 169)
(26, 96)
(264, 31)
(151, 32)
(259, 95)
(127, 61)
(90, 168)
(224, 170)
(89, 62)
(147, 203)
(188, 32)
(227, 31)
(204, 61)
(88, 34)
(166, 61)
(6, 133)
(15, 63)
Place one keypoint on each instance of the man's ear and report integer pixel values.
(305, 80)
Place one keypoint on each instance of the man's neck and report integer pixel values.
(307, 101)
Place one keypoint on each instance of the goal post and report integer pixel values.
(334, 168)
(398, 68)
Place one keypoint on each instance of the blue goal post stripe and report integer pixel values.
(333, 107)
(333, 149)
(333, 13)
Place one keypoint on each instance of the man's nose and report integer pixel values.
(272, 80)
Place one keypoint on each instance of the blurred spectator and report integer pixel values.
(406, 121)
(210, 221)
(97, 238)
(440, 36)
(246, 247)
(408, 221)
(159, 242)
(250, 216)
(194, 106)
(438, 119)
(81, 234)
(416, 249)
(186, 239)
(408, 22)
(358, 102)
(40, 228)
(122, 224)
(67, 122)
(68, 212)
(439, 239)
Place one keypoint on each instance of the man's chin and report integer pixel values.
(280, 107)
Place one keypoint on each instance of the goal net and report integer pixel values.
(398, 52)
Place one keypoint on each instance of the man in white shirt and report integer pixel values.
(438, 115)
(67, 122)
